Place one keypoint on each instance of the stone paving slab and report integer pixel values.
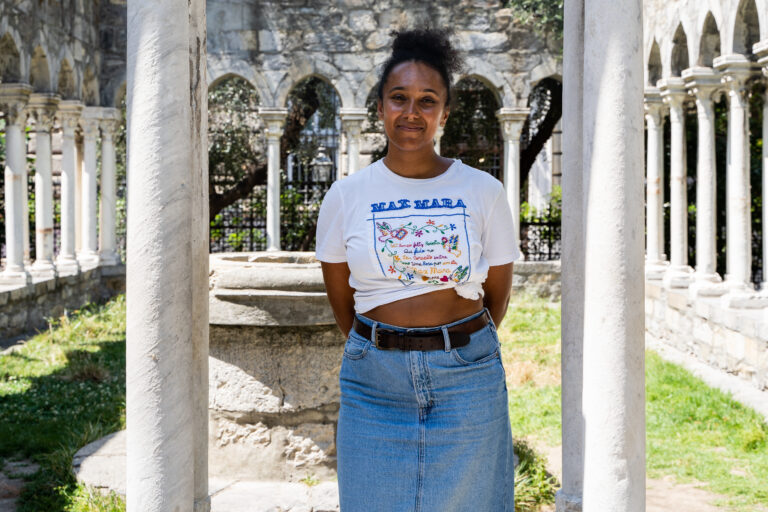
(276, 497)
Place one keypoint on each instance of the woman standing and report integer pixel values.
(417, 255)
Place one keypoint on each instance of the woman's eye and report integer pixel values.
(429, 101)
(398, 97)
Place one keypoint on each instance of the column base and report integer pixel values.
(15, 277)
(109, 258)
(43, 270)
(742, 296)
(67, 266)
(678, 277)
(567, 503)
(655, 270)
(88, 260)
(707, 285)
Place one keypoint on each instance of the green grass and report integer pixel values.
(61, 390)
(694, 433)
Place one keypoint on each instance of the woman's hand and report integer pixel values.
(340, 294)
(497, 287)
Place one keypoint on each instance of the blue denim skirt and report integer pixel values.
(424, 431)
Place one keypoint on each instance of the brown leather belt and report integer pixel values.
(388, 339)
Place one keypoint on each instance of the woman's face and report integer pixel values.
(413, 105)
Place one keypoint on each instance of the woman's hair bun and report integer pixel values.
(431, 46)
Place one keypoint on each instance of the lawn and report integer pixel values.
(66, 387)
(694, 433)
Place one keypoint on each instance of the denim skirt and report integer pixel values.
(424, 431)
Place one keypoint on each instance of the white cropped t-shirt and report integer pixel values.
(403, 237)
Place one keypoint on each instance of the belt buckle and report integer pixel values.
(386, 331)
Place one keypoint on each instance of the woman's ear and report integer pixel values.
(446, 111)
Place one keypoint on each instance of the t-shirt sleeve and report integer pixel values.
(500, 242)
(330, 246)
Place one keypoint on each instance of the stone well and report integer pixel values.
(275, 354)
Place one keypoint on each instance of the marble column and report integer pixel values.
(655, 263)
(679, 274)
(761, 50)
(569, 497)
(613, 399)
(736, 70)
(704, 84)
(13, 103)
(512, 121)
(89, 123)
(438, 137)
(167, 261)
(352, 123)
(43, 106)
(274, 119)
(110, 119)
(69, 116)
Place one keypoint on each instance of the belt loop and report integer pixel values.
(446, 338)
(373, 332)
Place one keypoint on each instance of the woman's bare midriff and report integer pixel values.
(427, 310)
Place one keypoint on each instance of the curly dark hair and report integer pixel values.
(431, 46)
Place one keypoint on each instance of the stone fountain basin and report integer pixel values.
(275, 354)
(268, 289)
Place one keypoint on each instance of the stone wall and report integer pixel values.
(26, 308)
(540, 278)
(733, 340)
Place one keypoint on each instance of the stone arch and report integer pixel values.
(746, 28)
(709, 47)
(66, 83)
(655, 69)
(492, 79)
(219, 69)
(283, 92)
(40, 71)
(303, 68)
(679, 60)
(90, 90)
(10, 60)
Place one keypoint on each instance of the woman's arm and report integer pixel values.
(497, 287)
(340, 294)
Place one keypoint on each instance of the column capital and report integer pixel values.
(512, 120)
(110, 120)
(653, 103)
(43, 107)
(89, 121)
(673, 92)
(761, 50)
(352, 120)
(69, 115)
(274, 117)
(703, 83)
(735, 70)
(13, 101)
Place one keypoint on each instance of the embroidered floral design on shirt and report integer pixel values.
(429, 249)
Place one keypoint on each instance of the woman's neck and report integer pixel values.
(419, 165)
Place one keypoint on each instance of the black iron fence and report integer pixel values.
(540, 240)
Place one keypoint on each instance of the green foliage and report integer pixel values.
(546, 16)
(59, 391)
(552, 213)
(534, 485)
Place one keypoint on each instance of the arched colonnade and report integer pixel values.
(696, 54)
(55, 97)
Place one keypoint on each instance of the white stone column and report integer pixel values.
(13, 102)
(655, 263)
(352, 123)
(569, 497)
(512, 120)
(89, 123)
(736, 70)
(69, 116)
(679, 274)
(43, 106)
(613, 398)
(438, 137)
(110, 118)
(704, 83)
(167, 317)
(761, 50)
(274, 119)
